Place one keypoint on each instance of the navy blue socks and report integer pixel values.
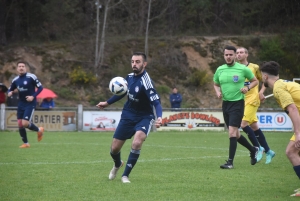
(251, 135)
(132, 159)
(116, 158)
(23, 134)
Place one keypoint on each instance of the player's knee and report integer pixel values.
(137, 144)
(114, 149)
(290, 153)
(244, 124)
(20, 125)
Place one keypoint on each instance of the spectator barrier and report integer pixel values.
(91, 119)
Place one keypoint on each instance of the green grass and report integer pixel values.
(172, 166)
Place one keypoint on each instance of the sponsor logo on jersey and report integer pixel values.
(131, 97)
(136, 89)
(22, 89)
(25, 82)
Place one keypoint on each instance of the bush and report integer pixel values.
(66, 93)
(271, 50)
(79, 76)
(162, 89)
(198, 78)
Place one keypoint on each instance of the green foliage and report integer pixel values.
(271, 50)
(197, 78)
(95, 99)
(80, 76)
(64, 92)
(215, 64)
(162, 44)
(162, 89)
(292, 41)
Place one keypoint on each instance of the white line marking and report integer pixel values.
(188, 147)
(110, 161)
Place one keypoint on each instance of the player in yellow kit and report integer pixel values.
(252, 102)
(287, 95)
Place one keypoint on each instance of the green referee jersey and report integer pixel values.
(231, 79)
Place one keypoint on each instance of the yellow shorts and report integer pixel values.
(293, 138)
(250, 114)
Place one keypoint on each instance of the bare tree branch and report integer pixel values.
(120, 1)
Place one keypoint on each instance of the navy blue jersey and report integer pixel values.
(141, 94)
(26, 85)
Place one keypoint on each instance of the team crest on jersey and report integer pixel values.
(25, 82)
(235, 78)
(136, 89)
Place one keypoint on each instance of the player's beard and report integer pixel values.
(266, 84)
(137, 70)
(231, 63)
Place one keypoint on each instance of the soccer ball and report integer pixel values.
(118, 86)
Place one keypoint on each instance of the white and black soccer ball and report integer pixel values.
(118, 86)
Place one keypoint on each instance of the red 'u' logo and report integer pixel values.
(279, 119)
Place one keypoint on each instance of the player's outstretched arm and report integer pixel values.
(102, 105)
(158, 122)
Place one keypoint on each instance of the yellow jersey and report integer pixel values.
(286, 93)
(252, 96)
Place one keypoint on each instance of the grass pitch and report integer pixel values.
(172, 166)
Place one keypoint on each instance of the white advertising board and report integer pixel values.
(274, 121)
(100, 121)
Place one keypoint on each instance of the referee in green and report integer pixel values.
(229, 85)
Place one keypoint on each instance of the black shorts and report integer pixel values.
(233, 112)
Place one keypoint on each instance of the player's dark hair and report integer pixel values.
(140, 54)
(270, 67)
(22, 62)
(229, 47)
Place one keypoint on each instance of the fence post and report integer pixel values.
(2, 117)
(79, 117)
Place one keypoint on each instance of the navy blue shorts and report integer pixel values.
(128, 127)
(233, 112)
(25, 112)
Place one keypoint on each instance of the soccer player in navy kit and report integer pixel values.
(26, 84)
(137, 116)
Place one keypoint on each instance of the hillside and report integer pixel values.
(184, 62)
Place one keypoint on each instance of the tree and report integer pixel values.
(2, 23)
(99, 57)
(149, 20)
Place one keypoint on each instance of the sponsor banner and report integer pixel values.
(192, 121)
(100, 121)
(50, 120)
(274, 121)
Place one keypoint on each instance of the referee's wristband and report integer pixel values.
(248, 87)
